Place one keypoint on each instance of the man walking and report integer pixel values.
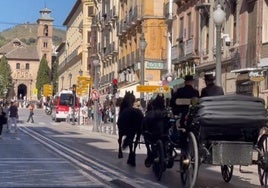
(13, 116)
(31, 109)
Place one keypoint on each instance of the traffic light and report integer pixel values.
(114, 86)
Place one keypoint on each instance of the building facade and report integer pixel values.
(73, 53)
(24, 60)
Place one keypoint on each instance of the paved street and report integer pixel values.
(49, 154)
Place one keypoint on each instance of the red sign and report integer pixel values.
(95, 95)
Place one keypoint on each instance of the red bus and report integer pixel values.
(62, 106)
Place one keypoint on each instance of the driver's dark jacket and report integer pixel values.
(212, 90)
(187, 92)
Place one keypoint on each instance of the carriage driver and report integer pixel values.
(188, 92)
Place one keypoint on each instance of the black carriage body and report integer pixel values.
(230, 118)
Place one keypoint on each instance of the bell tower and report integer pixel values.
(44, 35)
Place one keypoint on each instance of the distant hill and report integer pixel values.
(27, 33)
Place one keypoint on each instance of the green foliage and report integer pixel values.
(55, 76)
(43, 76)
(5, 76)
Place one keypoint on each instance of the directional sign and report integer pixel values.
(153, 89)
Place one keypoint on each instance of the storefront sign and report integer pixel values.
(256, 76)
(155, 65)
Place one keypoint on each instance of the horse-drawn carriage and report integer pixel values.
(222, 130)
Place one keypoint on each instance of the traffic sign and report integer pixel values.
(153, 89)
(47, 90)
(95, 95)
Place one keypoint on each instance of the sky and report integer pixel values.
(14, 12)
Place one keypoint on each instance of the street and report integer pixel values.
(52, 154)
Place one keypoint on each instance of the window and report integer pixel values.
(45, 45)
(234, 13)
(27, 66)
(46, 30)
(18, 66)
(90, 11)
(181, 28)
(189, 32)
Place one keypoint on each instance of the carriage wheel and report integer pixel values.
(189, 162)
(263, 160)
(227, 172)
(159, 161)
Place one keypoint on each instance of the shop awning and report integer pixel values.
(179, 82)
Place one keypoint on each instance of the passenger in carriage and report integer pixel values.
(211, 89)
(188, 92)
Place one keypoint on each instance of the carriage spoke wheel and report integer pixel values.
(189, 162)
(159, 161)
(263, 160)
(227, 172)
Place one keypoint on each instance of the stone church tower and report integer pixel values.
(44, 35)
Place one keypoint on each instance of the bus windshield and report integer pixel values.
(66, 99)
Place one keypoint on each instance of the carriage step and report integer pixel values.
(244, 171)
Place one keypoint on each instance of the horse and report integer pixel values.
(155, 125)
(129, 125)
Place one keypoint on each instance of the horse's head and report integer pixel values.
(128, 100)
(158, 103)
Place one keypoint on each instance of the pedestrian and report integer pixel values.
(31, 110)
(211, 89)
(3, 120)
(186, 92)
(13, 116)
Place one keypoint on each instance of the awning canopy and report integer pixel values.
(178, 82)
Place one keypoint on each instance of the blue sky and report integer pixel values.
(15, 12)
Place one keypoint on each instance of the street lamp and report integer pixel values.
(218, 16)
(80, 72)
(70, 78)
(96, 107)
(143, 45)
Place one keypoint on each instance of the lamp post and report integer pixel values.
(80, 72)
(143, 45)
(218, 16)
(74, 102)
(70, 79)
(96, 107)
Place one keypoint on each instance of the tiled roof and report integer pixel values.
(19, 50)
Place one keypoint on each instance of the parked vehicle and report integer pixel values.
(62, 104)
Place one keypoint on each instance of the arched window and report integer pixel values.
(46, 30)
(18, 66)
(27, 66)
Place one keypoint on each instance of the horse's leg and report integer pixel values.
(149, 158)
(120, 153)
(131, 157)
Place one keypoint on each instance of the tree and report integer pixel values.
(43, 76)
(55, 75)
(5, 77)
